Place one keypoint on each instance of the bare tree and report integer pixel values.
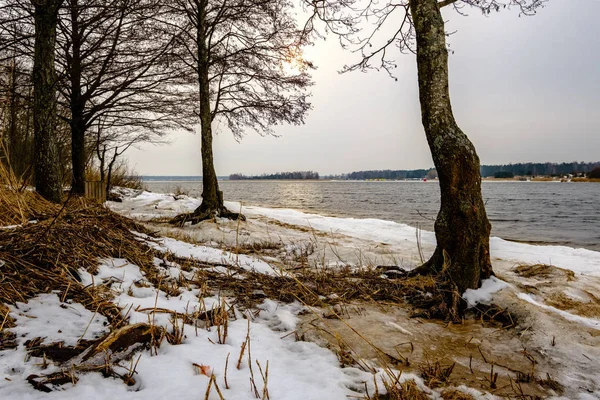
(111, 142)
(462, 229)
(114, 62)
(246, 56)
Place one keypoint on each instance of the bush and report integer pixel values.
(595, 173)
(124, 176)
(504, 174)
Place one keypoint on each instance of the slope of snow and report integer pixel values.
(210, 255)
(296, 369)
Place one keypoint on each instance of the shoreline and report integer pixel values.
(403, 215)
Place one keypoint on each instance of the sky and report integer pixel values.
(522, 88)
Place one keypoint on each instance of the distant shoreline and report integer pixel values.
(488, 179)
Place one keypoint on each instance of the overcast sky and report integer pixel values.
(522, 88)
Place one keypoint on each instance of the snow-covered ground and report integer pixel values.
(565, 340)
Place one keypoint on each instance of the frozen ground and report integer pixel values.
(558, 310)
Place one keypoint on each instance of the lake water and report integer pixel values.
(535, 212)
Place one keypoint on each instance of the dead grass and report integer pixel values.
(563, 302)
(585, 180)
(7, 338)
(436, 374)
(455, 394)
(544, 271)
(18, 204)
(263, 246)
(407, 390)
(45, 256)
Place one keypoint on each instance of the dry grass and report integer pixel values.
(18, 205)
(313, 287)
(42, 257)
(259, 247)
(542, 179)
(435, 374)
(7, 338)
(407, 390)
(589, 309)
(544, 271)
(585, 180)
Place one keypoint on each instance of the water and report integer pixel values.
(534, 212)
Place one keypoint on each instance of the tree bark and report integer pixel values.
(78, 123)
(462, 228)
(47, 169)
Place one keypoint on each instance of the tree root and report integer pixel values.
(199, 216)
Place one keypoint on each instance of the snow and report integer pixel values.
(580, 261)
(210, 255)
(485, 293)
(297, 369)
(148, 205)
(39, 314)
(589, 322)
(369, 229)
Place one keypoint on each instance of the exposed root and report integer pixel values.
(199, 216)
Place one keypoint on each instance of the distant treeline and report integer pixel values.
(279, 175)
(535, 169)
(519, 169)
(506, 170)
(384, 174)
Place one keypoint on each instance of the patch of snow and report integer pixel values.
(485, 293)
(212, 255)
(370, 229)
(580, 261)
(46, 316)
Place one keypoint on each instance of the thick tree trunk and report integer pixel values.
(462, 228)
(46, 161)
(78, 123)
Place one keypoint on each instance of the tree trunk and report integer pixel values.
(212, 199)
(109, 173)
(78, 123)
(46, 161)
(462, 228)
(14, 148)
